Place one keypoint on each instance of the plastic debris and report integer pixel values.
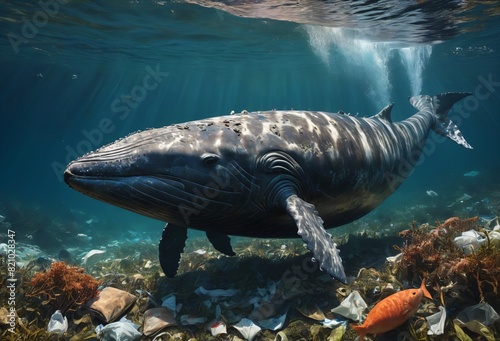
(216, 292)
(461, 200)
(478, 328)
(394, 259)
(123, 330)
(156, 319)
(464, 197)
(200, 252)
(488, 221)
(352, 307)
(217, 328)
(333, 323)
(431, 193)
(494, 237)
(110, 303)
(58, 323)
(470, 241)
(274, 323)
(187, 320)
(481, 312)
(477, 318)
(169, 302)
(472, 174)
(436, 322)
(247, 329)
(92, 257)
(74, 76)
(2, 218)
(83, 237)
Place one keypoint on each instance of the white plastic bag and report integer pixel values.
(58, 323)
(123, 330)
(247, 329)
(352, 307)
(436, 322)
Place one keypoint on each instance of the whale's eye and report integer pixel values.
(210, 159)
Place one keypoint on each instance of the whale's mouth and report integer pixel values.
(109, 187)
(81, 182)
(158, 197)
(164, 197)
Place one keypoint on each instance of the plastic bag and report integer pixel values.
(58, 323)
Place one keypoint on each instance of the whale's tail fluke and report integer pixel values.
(440, 105)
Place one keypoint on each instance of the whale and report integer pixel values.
(265, 174)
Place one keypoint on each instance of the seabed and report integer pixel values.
(272, 289)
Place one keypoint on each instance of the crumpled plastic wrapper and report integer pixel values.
(273, 323)
(217, 328)
(58, 323)
(481, 312)
(155, 319)
(436, 322)
(352, 307)
(122, 330)
(470, 241)
(92, 257)
(247, 329)
(477, 318)
(494, 238)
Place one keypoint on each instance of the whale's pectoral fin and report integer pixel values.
(172, 242)
(319, 242)
(221, 243)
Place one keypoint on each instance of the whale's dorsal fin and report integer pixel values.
(385, 114)
(319, 242)
(172, 242)
(221, 243)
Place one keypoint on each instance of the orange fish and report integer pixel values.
(392, 311)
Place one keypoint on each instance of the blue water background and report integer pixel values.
(71, 76)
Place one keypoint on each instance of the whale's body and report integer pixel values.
(263, 174)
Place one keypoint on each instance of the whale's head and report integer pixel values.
(184, 174)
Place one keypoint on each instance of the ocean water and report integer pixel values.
(76, 75)
(73, 79)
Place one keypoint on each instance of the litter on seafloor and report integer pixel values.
(247, 328)
(58, 323)
(352, 307)
(436, 322)
(92, 257)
